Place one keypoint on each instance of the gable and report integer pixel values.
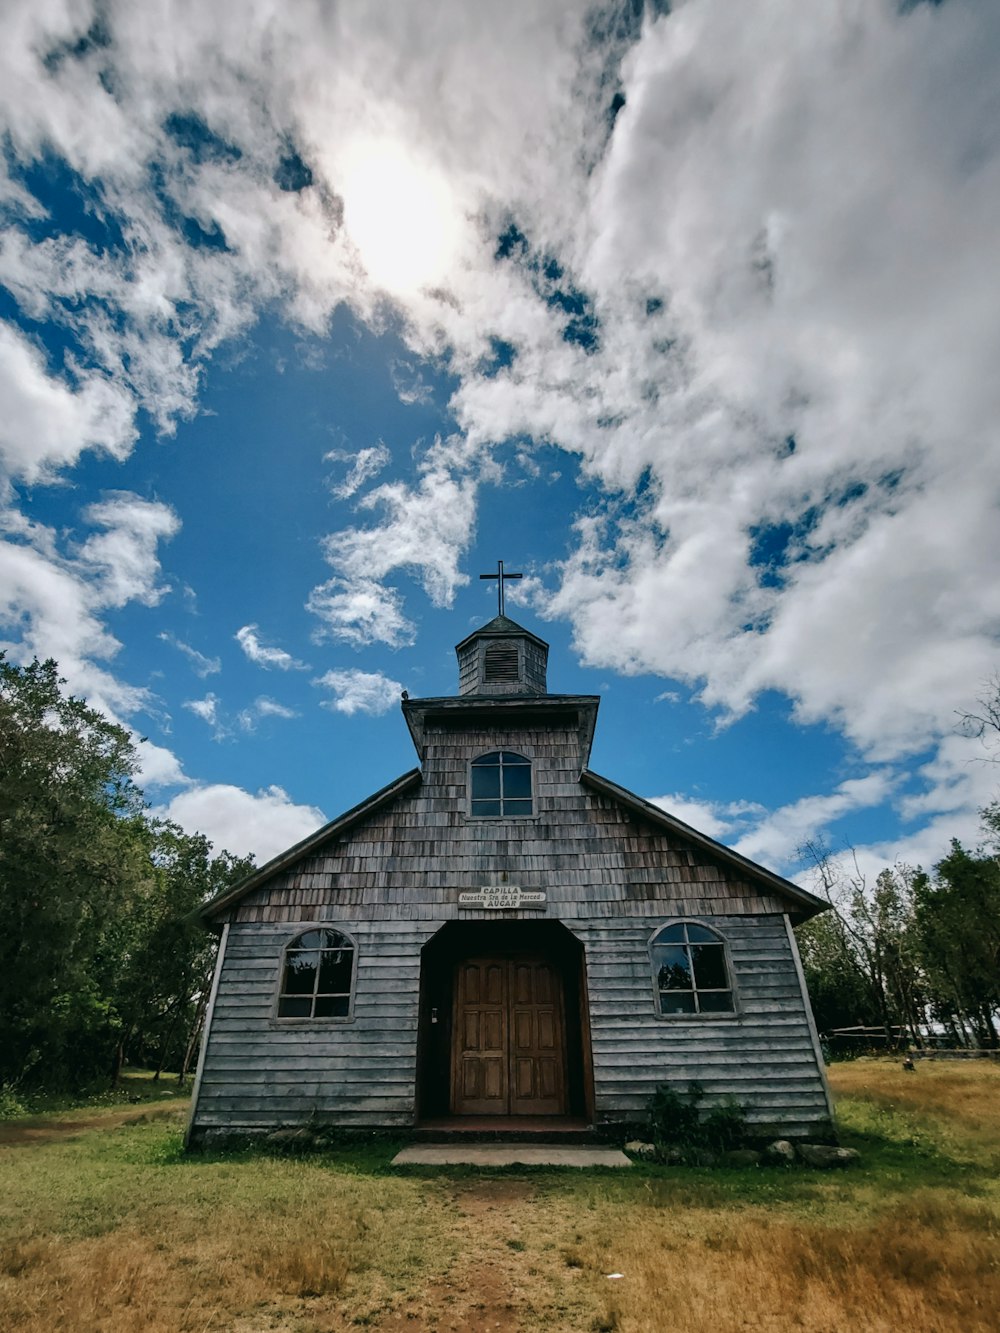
(596, 849)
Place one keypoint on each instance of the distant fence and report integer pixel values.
(957, 1053)
(847, 1043)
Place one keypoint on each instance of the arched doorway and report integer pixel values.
(504, 1031)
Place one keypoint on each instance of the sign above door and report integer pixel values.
(501, 897)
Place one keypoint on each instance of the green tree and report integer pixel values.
(957, 919)
(101, 956)
(166, 973)
(867, 957)
(72, 849)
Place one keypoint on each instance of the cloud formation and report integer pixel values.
(360, 691)
(263, 655)
(263, 822)
(735, 260)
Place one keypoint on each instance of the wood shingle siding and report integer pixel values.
(613, 870)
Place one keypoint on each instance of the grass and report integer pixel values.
(114, 1230)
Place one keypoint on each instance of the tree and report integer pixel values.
(867, 957)
(957, 921)
(101, 957)
(71, 853)
(166, 975)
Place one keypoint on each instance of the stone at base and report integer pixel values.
(741, 1157)
(779, 1153)
(822, 1156)
(647, 1151)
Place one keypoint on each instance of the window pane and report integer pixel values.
(509, 757)
(672, 969)
(335, 971)
(701, 934)
(332, 939)
(485, 782)
(669, 935)
(312, 939)
(493, 758)
(715, 1001)
(517, 781)
(294, 1008)
(300, 972)
(709, 967)
(517, 807)
(676, 1002)
(332, 1006)
(485, 807)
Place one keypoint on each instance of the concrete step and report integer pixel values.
(508, 1154)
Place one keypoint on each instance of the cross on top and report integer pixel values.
(500, 575)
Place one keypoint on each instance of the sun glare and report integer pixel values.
(401, 216)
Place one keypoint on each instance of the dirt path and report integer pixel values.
(43, 1129)
(501, 1281)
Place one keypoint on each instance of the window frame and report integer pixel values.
(305, 928)
(699, 1016)
(517, 818)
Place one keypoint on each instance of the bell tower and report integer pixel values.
(502, 658)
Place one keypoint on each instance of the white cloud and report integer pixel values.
(360, 612)
(271, 708)
(367, 463)
(425, 528)
(45, 423)
(262, 707)
(54, 601)
(262, 655)
(789, 234)
(200, 664)
(360, 691)
(717, 820)
(263, 822)
(124, 558)
(777, 839)
(207, 709)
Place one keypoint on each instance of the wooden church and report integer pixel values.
(503, 939)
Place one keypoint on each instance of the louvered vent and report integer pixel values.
(501, 664)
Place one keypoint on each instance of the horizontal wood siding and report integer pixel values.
(260, 1074)
(763, 1056)
(608, 875)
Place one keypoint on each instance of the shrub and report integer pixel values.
(676, 1124)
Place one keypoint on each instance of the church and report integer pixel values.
(503, 939)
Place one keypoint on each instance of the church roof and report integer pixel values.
(500, 627)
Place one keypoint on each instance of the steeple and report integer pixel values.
(502, 658)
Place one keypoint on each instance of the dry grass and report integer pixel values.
(957, 1100)
(115, 1232)
(924, 1266)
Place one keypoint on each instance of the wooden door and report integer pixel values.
(509, 1047)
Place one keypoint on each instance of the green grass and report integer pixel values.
(134, 1086)
(116, 1229)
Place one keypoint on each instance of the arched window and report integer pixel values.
(690, 970)
(501, 784)
(318, 976)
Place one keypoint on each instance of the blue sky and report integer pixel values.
(310, 314)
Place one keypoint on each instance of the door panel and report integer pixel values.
(509, 1056)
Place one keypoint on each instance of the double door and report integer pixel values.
(508, 1037)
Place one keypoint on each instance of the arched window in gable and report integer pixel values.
(317, 976)
(501, 785)
(690, 970)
